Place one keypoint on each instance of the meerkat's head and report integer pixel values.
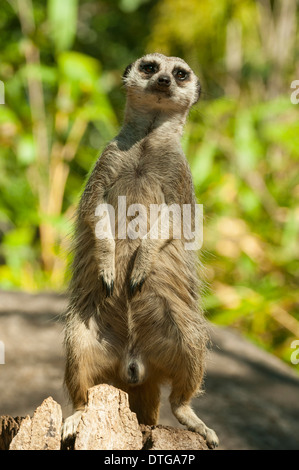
(160, 82)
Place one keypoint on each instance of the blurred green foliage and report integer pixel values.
(61, 64)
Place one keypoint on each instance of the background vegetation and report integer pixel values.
(61, 63)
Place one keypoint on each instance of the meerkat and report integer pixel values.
(134, 318)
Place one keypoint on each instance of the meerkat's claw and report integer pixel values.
(69, 427)
(108, 287)
(134, 285)
(212, 439)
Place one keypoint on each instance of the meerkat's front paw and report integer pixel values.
(141, 269)
(107, 277)
(137, 280)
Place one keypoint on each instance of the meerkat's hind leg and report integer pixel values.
(84, 368)
(186, 416)
(180, 405)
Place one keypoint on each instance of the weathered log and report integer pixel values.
(107, 423)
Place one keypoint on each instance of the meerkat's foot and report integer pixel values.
(137, 282)
(69, 427)
(212, 438)
(107, 277)
(208, 434)
(186, 416)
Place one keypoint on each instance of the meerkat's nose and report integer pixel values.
(164, 80)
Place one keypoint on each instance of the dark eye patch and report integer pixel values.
(180, 74)
(149, 68)
(127, 71)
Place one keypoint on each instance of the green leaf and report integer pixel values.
(17, 246)
(8, 116)
(202, 164)
(62, 17)
(79, 69)
(48, 75)
(248, 148)
(26, 150)
(128, 6)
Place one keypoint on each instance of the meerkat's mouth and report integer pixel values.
(158, 91)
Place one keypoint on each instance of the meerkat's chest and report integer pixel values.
(145, 164)
(144, 188)
(147, 169)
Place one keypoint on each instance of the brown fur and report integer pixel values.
(134, 309)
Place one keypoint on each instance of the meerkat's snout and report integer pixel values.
(164, 81)
(162, 84)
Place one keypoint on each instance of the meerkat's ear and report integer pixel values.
(126, 72)
(198, 92)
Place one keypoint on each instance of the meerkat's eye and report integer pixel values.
(149, 67)
(181, 74)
